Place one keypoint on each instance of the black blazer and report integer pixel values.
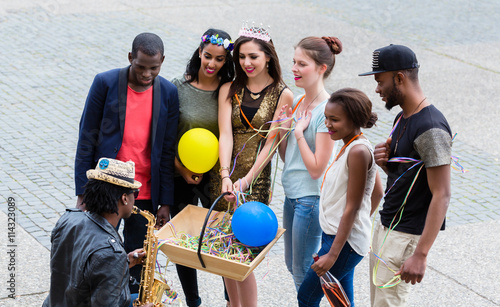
(103, 121)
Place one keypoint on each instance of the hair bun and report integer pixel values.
(372, 120)
(334, 43)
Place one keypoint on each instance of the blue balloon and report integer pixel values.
(254, 224)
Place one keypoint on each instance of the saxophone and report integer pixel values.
(150, 289)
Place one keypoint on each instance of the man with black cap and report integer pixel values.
(416, 159)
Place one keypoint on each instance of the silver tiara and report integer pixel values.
(255, 32)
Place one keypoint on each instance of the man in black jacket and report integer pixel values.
(89, 265)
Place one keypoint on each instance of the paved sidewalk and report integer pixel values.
(53, 49)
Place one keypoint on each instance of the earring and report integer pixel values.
(267, 65)
(126, 203)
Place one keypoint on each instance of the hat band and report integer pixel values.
(127, 179)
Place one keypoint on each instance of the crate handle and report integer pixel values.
(205, 225)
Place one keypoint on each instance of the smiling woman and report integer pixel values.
(306, 152)
(350, 192)
(251, 102)
(210, 66)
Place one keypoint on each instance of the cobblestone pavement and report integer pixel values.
(53, 49)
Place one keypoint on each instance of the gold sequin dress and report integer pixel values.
(242, 137)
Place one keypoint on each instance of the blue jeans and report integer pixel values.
(310, 292)
(302, 235)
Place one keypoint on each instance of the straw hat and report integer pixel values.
(115, 172)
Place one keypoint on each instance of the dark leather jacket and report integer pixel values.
(89, 265)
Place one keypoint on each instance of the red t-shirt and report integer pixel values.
(136, 143)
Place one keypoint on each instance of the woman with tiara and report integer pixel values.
(250, 103)
(210, 66)
(306, 152)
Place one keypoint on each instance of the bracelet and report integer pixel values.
(300, 138)
(246, 181)
(228, 174)
(224, 177)
(223, 168)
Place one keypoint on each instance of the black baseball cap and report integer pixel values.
(392, 58)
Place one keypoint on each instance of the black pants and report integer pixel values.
(189, 194)
(134, 234)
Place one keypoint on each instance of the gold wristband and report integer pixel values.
(300, 138)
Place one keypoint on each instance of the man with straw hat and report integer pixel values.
(89, 265)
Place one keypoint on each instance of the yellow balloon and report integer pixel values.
(198, 150)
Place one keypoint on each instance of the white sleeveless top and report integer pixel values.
(333, 201)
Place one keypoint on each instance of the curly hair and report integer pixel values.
(102, 197)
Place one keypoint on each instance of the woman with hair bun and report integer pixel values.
(350, 193)
(306, 152)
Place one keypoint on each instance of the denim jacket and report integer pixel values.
(89, 265)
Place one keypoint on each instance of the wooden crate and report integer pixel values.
(190, 221)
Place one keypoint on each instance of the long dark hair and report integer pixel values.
(274, 64)
(226, 73)
(102, 197)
